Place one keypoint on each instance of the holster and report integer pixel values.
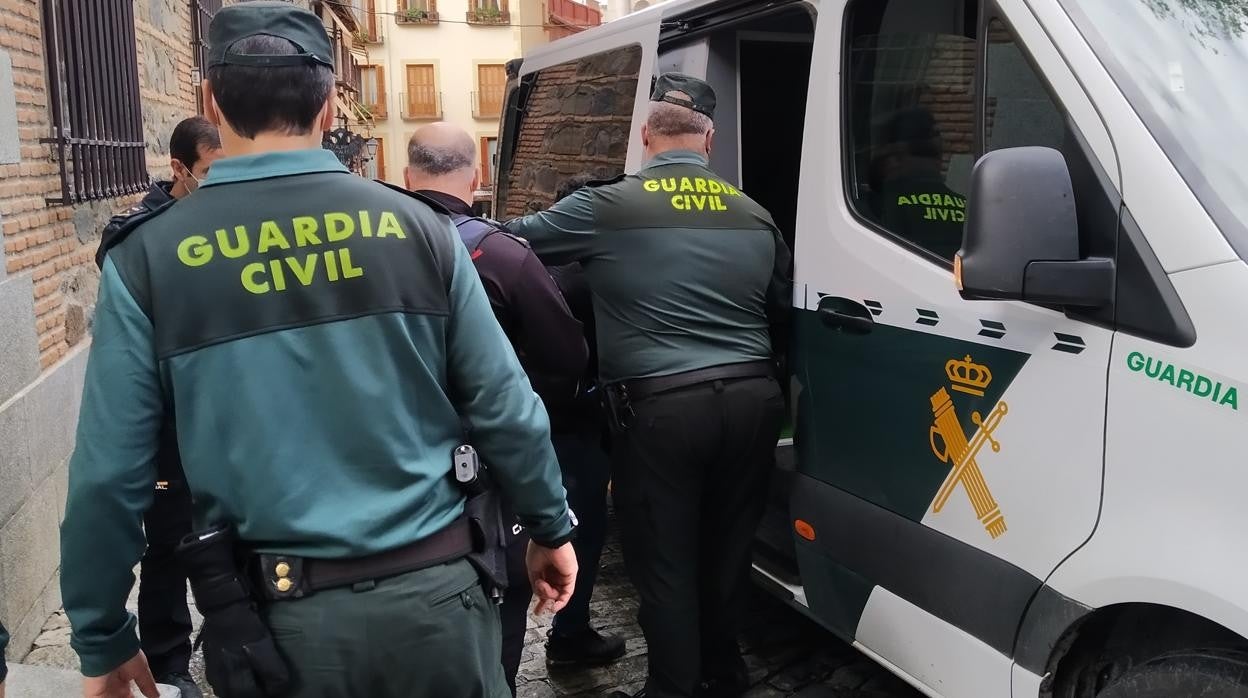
(240, 657)
(619, 407)
(484, 510)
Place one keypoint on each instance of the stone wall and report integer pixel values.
(48, 288)
(577, 120)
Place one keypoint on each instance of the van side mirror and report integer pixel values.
(1022, 236)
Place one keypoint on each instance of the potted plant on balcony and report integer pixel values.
(415, 15)
(487, 14)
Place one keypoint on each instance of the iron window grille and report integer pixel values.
(93, 94)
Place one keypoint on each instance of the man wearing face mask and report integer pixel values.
(164, 617)
(192, 148)
(690, 281)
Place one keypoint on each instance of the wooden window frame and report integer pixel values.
(378, 110)
(408, 112)
(479, 110)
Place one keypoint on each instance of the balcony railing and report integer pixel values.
(416, 15)
(421, 103)
(488, 14)
(488, 102)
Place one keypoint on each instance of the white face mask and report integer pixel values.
(193, 179)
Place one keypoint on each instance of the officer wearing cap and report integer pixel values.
(318, 339)
(688, 276)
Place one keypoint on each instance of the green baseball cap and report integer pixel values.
(701, 94)
(283, 20)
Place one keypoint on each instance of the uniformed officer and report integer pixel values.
(548, 340)
(688, 274)
(914, 201)
(318, 338)
(164, 617)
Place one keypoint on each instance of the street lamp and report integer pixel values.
(371, 146)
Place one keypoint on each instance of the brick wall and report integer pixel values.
(949, 94)
(577, 120)
(48, 285)
(55, 244)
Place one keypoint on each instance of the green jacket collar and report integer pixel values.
(671, 157)
(247, 168)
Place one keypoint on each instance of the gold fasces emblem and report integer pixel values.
(954, 448)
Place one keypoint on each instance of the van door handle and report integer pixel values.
(845, 315)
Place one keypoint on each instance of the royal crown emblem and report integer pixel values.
(949, 442)
(967, 376)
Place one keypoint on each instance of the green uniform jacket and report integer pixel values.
(318, 338)
(686, 271)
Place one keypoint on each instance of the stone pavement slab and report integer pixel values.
(45, 682)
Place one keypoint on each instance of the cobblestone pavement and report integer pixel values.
(786, 653)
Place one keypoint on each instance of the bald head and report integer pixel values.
(442, 157)
(675, 127)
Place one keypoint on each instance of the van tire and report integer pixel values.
(1183, 674)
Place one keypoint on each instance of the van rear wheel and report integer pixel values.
(1204, 673)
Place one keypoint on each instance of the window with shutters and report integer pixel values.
(376, 168)
(487, 101)
(373, 90)
(422, 100)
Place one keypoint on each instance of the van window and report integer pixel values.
(575, 121)
(1019, 109)
(911, 111)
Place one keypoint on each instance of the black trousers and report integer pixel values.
(514, 611)
(586, 472)
(690, 483)
(164, 617)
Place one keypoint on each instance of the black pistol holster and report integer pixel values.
(484, 510)
(240, 658)
(619, 406)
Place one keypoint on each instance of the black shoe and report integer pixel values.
(732, 686)
(585, 648)
(183, 683)
(625, 694)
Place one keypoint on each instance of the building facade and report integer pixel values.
(444, 60)
(619, 8)
(89, 94)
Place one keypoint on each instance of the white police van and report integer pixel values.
(1033, 483)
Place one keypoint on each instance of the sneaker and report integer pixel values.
(585, 648)
(183, 683)
(625, 694)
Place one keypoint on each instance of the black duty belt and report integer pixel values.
(283, 577)
(642, 388)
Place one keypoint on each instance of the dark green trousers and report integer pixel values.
(426, 633)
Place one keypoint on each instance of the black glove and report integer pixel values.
(240, 658)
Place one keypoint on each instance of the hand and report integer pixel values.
(552, 574)
(116, 683)
(1, 689)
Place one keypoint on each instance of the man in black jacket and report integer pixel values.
(164, 617)
(546, 337)
(193, 147)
